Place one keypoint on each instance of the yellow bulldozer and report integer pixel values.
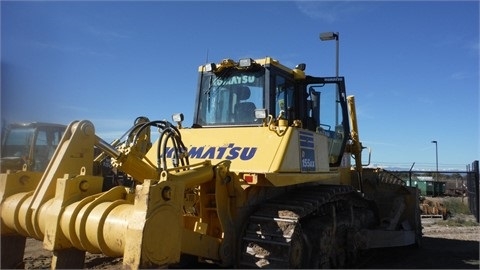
(30, 145)
(262, 179)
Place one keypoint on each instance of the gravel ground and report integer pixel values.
(443, 247)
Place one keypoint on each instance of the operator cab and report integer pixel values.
(32, 144)
(255, 93)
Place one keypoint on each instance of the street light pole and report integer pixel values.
(334, 36)
(436, 162)
(337, 57)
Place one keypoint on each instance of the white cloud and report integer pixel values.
(328, 11)
(324, 11)
(458, 75)
(65, 48)
(105, 33)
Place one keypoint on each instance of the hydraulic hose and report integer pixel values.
(168, 132)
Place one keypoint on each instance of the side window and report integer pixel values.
(327, 110)
(41, 138)
(41, 151)
(283, 97)
(57, 136)
(46, 142)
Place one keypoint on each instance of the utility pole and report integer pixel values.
(435, 182)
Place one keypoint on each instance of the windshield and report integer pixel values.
(231, 99)
(17, 143)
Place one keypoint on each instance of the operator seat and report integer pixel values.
(244, 111)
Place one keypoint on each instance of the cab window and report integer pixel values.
(284, 97)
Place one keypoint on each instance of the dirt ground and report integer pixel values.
(443, 247)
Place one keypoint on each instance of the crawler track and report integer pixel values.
(305, 228)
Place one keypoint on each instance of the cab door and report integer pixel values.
(327, 106)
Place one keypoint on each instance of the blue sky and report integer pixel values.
(412, 66)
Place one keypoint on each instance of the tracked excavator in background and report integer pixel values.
(261, 179)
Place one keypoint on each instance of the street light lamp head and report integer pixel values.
(434, 141)
(328, 36)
